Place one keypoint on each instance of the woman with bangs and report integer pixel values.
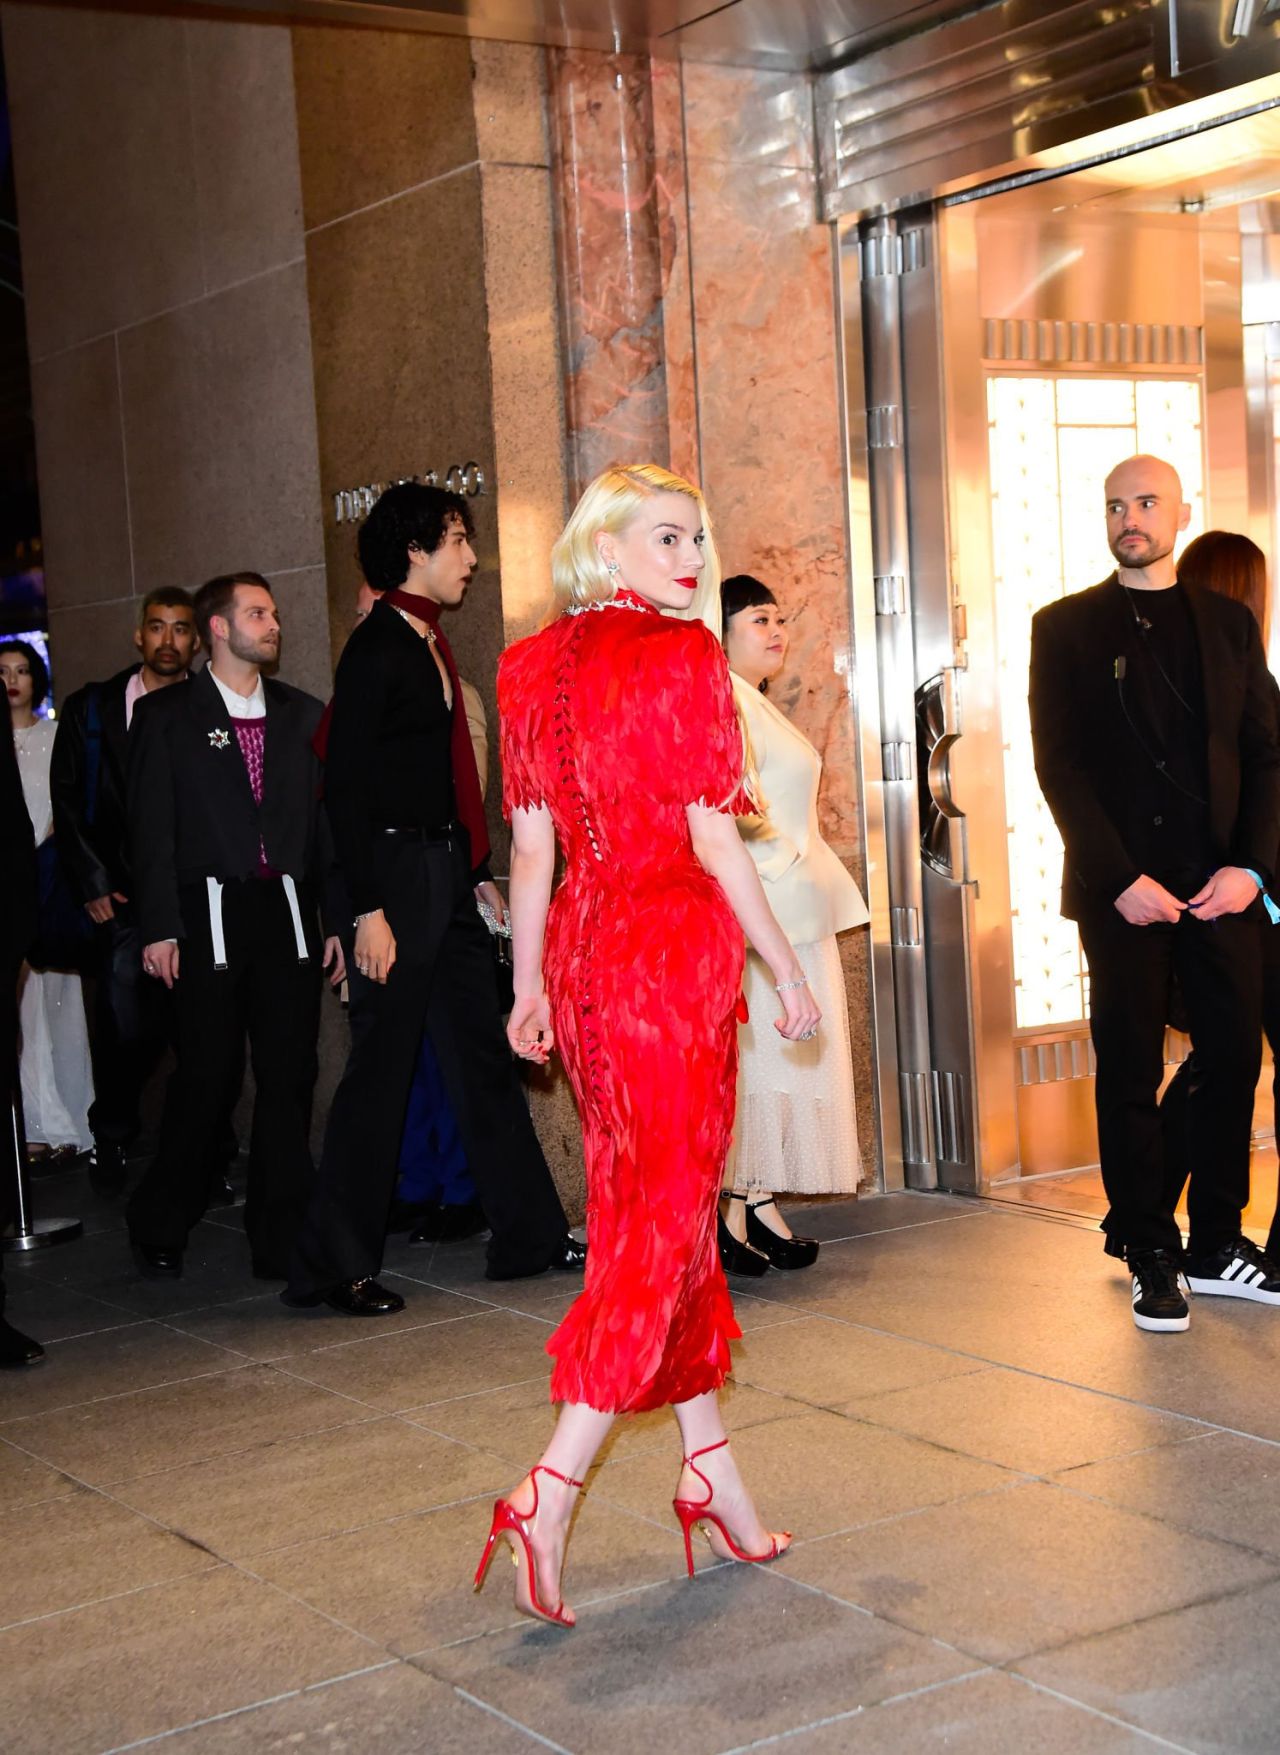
(619, 737)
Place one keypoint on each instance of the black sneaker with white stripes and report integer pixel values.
(1239, 1270)
(1158, 1303)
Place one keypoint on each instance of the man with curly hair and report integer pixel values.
(403, 797)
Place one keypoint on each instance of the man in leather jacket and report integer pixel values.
(87, 779)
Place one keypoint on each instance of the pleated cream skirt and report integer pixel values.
(796, 1130)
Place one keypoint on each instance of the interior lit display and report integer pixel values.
(1052, 443)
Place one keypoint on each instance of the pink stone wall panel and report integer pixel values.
(609, 233)
(768, 393)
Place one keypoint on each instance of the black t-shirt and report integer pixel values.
(1164, 695)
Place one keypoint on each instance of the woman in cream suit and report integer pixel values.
(796, 1131)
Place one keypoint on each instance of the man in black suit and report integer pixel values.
(17, 929)
(230, 858)
(403, 795)
(87, 781)
(1155, 747)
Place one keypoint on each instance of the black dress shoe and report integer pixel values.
(783, 1252)
(405, 1214)
(352, 1298)
(221, 1193)
(451, 1224)
(157, 1264)
(17, 1348)
(570, 1254)
(107, 1171)
(738, 1258)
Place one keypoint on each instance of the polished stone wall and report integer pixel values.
(161, 219)
(700, 316)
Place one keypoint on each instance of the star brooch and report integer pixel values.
(220, 739)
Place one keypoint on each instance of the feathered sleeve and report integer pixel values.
(708, 761)
(520, 715)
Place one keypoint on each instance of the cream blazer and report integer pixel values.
(808, 888)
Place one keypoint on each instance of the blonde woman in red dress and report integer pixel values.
(619, 736)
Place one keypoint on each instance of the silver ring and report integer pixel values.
(807, 1035)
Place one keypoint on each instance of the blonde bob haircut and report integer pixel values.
(610, 504)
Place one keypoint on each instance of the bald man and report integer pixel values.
(1155, 748)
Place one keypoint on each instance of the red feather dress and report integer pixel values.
(616, 718)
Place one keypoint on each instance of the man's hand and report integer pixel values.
(489, 893)
(161, 960)
(375, 947)
(1145, 902)
(1229, 891)
(100, 909)
(333, 954)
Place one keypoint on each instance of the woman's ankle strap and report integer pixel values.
(544, 1469)
(705, 1451)
(731, 1194)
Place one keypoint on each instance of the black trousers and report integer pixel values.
(132, 1028)
(1217, 966)
(443, 981)
(1184, 1088)
(267, 993)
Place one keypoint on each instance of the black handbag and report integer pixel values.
(64, 935)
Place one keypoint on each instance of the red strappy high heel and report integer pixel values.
(692, 1514)
(517, 1527)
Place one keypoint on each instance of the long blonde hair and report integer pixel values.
(610, 503)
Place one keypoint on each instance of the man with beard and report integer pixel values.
(1154, 741)
(87, 781)
(230, 856)
(403, 795)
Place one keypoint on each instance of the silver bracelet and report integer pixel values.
(361, 918)
(786, 986)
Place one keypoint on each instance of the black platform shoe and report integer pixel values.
(451, 1224)
(156, 1264)
(783, 1252)
(107, 1171)
(738, 1258)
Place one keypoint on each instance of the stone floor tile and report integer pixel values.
(753, 1313)
(397, 1710)
(137, 1356)
(299, 1489)
(922, 1283)
(1023, 1422)
(516, 1421)
(215, 1267)
(407, 1584)
(130, 1435)
(1221, 1485)
(57, 1313)
(988, 1714)
(825, 1363)
(432, 1364)
(264, 1329)
(1197, 1677)
(138, 1665)
(24, 1481)
(1015, 1571)
(814, 1474)
(696, 1666)
(82, 1548)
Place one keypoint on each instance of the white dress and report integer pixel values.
(57, 1079)
(796, 1130)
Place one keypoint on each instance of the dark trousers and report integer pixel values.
(1185, 1086)
(267, 993)
(132, 1028)
(1216, 963)
(443, 980)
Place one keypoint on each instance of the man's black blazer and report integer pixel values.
(191, 809)
(1090, 765)
(94, 854)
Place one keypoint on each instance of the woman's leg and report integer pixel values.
(701, 1427)
(579, 1433)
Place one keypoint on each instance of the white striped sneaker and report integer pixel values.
(1239, 1270)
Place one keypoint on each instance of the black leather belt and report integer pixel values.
(426, 835)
